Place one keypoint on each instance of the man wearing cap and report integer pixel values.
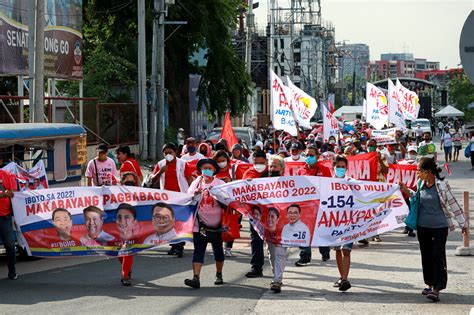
(172, 174)
(101, 171)
(295, 151)
(191, 148)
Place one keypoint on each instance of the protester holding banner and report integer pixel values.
(437, 209)
(207, 226)
(225, 168)
(7, 186)
(173, 174)
(343, 252)
(101, 171)
(191, 151)
(129, 164)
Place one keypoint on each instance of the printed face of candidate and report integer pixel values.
(257, 216)
(125, 223)
(293, 215)
(94, 222)
(162, 220)
(272, 221)
(63, 224)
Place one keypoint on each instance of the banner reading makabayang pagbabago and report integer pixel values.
(115, 221)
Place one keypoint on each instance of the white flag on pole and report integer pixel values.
(364, 110)
(282, 115)
(395, 113)
(330, 124)
(409, 102)
(377, 110)
(304, 106)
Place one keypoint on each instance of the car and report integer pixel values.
(424, 123)
(247, 134)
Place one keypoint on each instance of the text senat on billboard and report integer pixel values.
(62, 39)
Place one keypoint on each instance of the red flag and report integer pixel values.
(228, 133)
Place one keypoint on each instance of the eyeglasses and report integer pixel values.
(161, 218)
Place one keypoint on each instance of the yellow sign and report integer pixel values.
(81, 150)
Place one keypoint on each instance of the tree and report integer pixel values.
(461, 94)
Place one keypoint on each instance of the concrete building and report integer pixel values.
(354, 57)
(401, 65)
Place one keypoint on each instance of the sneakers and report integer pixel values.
(193, 283)
(228, 252)
(345, 285)
(126, 282)
(179, 253)
(405, 230)
(219, 280)
(412, 234)
(363, 242)
(12, 276)
(337, 284)
(326, 257)
(254, 274)
(172, 251)
(302, 262)
(275, 287)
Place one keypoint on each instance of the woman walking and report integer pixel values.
(436, 213)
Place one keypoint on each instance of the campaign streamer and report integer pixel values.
(85, 221)
(295, 211)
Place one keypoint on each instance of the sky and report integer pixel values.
(427, 28)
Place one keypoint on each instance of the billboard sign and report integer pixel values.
(62, 38)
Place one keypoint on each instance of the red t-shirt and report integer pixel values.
(252, 173)
(7, 182)
(171, 179)
(223, 174)
(131, 165)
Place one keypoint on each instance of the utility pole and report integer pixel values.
(354, 83)
(154, 81)
(248, 53)
(31, 56)
(142, 101)
(161, 77)
(39, 64)
(271, 50)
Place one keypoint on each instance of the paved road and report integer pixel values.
(386, 278)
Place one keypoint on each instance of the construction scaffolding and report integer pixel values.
(301, 47)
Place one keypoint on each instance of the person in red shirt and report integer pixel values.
(129, 164)
(172, 174)
(225, 168)
(310, 168)
(7, 186)
(258, 170)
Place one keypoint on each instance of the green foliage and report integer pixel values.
(461, 94)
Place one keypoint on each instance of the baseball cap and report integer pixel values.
(412, 148)
(102, 148)
(295, 146)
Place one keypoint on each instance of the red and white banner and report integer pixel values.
(296, 211)
(32, 179)
(399, 173)
(283, 117)
(363, 166)
(385, 136)
(410, 104)
(330, 124)
(377, 110)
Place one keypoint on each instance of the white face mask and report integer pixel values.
(222, 164)
(260, 167)
(295, 157)
(411, 156)
(169, 157)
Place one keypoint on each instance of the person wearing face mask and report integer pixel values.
(192, 151)
(258, 170)
(207, 225)
(205, 149)
(295, 151)
(310, 169)
(173, 174)
(411, 156)
(343, 252)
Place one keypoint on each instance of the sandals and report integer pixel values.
(433, 296)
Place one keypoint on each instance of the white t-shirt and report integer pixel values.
(290, 159)
(105, 171)
(189, 158)
(472, 143)
(295, 234)
(447, 139)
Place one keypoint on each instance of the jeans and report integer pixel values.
(256, 245)
(433, 256)
(277, 260)
(305, 253)
(7, 235)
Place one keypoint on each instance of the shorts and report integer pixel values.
(200, 244)
(347, 247)
(458, 147)
(448, 150)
